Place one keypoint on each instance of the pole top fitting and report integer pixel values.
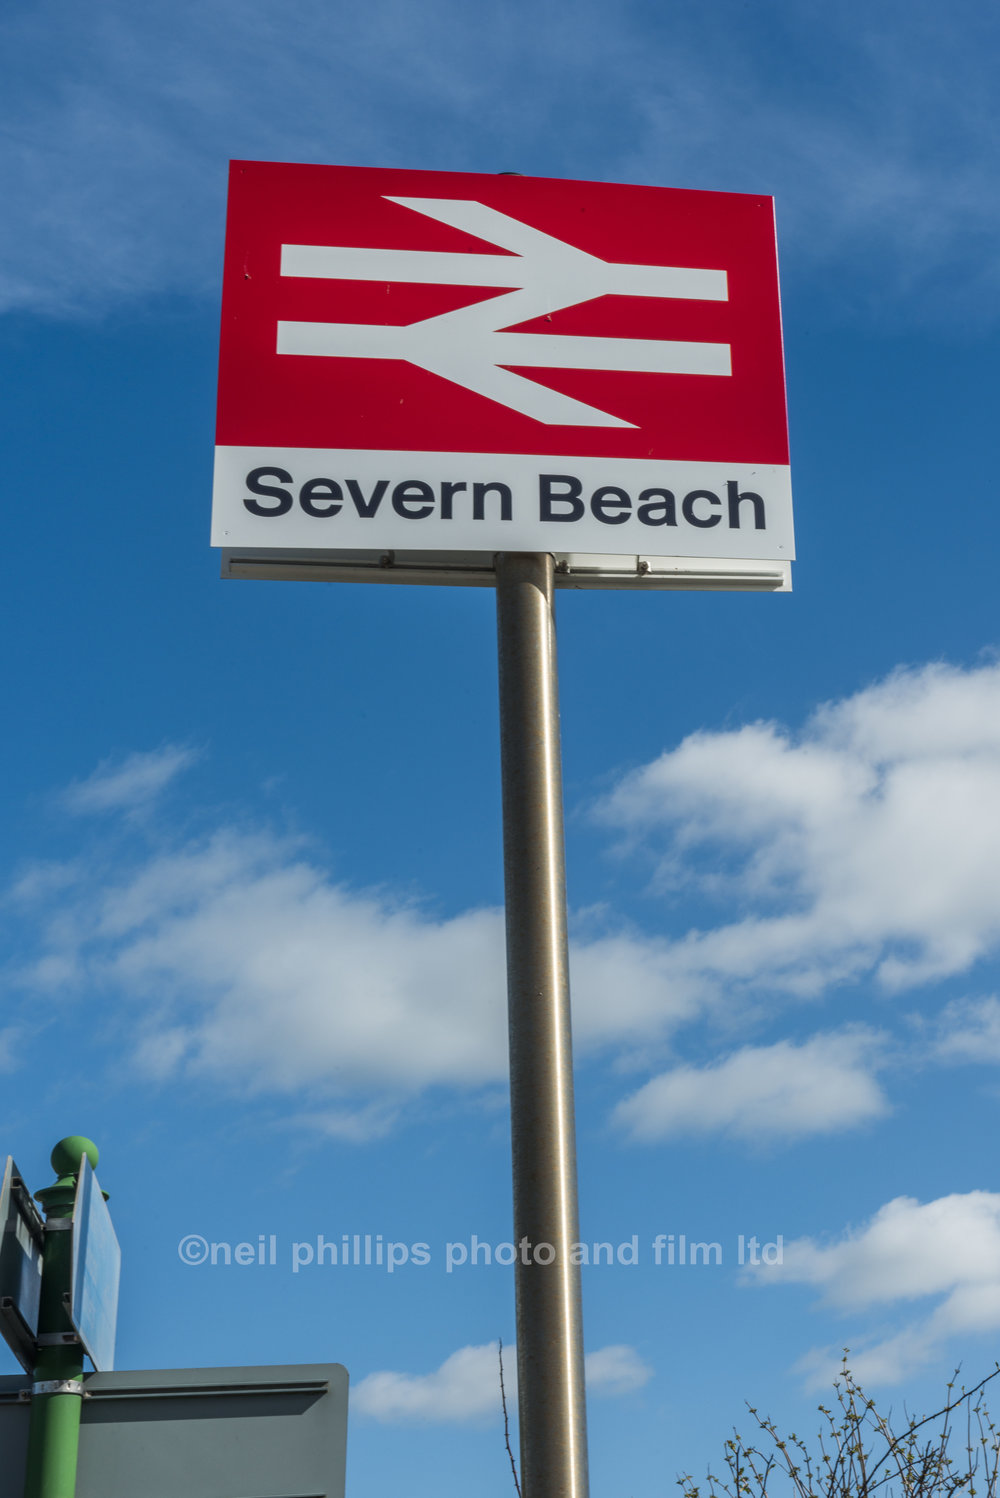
(57, 1199)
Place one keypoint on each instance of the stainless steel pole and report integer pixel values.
(551, 1402)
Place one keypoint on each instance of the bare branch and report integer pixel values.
(858, 1454)
(506, 1420)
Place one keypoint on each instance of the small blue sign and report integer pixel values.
(97, 1262)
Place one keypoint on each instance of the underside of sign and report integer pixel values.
(419, 370)
(472, 569)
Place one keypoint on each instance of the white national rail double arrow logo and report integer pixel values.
(470, 346)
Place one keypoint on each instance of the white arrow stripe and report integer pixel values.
(538, 350)
(438, 268)
(422, 266)
(641, 355)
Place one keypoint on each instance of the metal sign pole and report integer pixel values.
(57, 1390)
(551, 1401)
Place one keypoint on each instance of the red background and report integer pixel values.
(267, 399)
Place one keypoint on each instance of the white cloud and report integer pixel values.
(947, 1250)
(879, 1363)
(860, 847)
(864, 844)
(616, 1370)
(262, 969)
(780, 1091)
(466, 1387)
(236, 959)
(130, 784)
(627, 987)
(906, 1251)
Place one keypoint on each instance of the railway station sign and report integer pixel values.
(420, 369)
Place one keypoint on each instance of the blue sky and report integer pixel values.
(251, 866)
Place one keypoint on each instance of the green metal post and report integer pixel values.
(57, 1390)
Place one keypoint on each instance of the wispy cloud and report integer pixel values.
(131, 783)
(118, 123)
(881, 162)
(9, 1037)
(466, 1387)
(969, 1030)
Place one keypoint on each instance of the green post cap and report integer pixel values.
(57, 1199)
(68, 1153)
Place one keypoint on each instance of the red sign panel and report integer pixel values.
(354, 401)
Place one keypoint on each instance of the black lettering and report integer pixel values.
(413, 492)
(283, 496)
(322, 489)
(661, 511)
(448, 491)
(547, 496)
(479, 493)
(687, 508)
(366, 508)
(618, 507)
(736, 499)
